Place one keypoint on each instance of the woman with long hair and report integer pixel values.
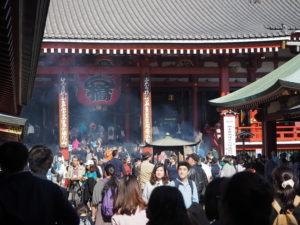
(286, 201)
(129, 207)
(104, 187)
(159, 177)
(166, 206)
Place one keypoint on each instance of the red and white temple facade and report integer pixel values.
(183, 73)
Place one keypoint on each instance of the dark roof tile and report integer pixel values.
(171, 19)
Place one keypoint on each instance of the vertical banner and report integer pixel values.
(146, 109)
(63, 108)
(229, 135)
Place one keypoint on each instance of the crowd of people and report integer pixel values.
(128, 187)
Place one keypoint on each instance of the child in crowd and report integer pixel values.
(85, 218)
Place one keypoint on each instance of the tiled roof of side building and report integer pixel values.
(171, 19)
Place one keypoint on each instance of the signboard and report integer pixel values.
(147, 110)
(63, 116)
(11, 129)
(229, 135)
(98, 89)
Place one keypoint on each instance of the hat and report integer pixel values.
(194, 156)
(89, 162)
(145, 155)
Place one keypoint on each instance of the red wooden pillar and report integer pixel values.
(146, 104)
(127, 112)
(224, 79)
(195, 107)
(224, 90)
(251, 74)
(269, 137)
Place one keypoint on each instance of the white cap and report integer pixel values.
(89, 162)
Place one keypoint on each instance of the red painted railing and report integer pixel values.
(284, 133)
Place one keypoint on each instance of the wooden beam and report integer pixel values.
(55, 70)
(189, 84)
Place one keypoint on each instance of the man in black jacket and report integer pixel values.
(117, 163)
(27, 199)
(197, 174)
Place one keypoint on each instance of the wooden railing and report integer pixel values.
(284, 133)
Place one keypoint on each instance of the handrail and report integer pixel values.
(284, 133)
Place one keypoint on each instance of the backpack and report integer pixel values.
(288, 218)
(190, 183)
(107, 202)
(85, 221)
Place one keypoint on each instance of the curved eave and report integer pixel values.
(271, 93)
(165, 41)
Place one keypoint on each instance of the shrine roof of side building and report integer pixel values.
(171, 21)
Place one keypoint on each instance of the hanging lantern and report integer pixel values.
(171, 97)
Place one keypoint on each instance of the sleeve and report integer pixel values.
(123, 169)
(97, 193)
(145, 192)
(192, 174)
(65, 212)
(195, 194)
(114, 221)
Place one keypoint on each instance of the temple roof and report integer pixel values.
(171, 20)
(268, 87)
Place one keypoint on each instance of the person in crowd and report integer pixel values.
(212, 199)
(197, 174)
(38, 201)
(76, 171)
(61, 171)
(258, 165)
(186, 186)
(136, 167)
(286, 201)
(209, 157)
(127, 166)
(239, 165)
(228, 169)
(40, 160)
(206, 168)
(74, 175)
(247, 200)
(275, 158)
(75, 143)
(146, 169)
(82, 153)
(159, 177)
(83, 213)
(283, 160)
(172, 167)
(129, 207)
(103, 188)
(166, 206)
(117, 163)
(270, 165)
(215, 168)
(90, 170)
(135, 154)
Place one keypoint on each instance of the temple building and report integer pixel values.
(147, 67)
